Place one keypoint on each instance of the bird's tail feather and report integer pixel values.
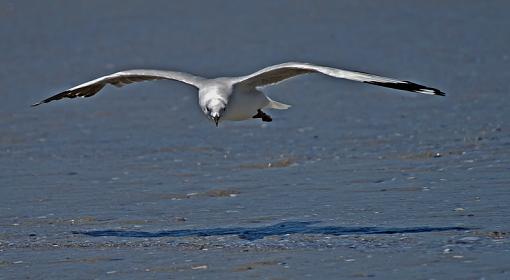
(277, 105)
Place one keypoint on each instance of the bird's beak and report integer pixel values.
(216, 120)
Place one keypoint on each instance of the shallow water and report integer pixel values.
(353, 181)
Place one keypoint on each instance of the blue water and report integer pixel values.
(423, 172)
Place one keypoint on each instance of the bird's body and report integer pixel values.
(244, 103)
(237, 98)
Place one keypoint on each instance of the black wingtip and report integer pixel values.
(59, 96)
(42, 102)
(409, 86)
(440, 93)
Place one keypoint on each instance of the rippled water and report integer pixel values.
(105, 186)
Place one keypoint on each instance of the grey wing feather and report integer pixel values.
(277, 73)
(123, 78)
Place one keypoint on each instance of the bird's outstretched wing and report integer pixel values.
(277, 73)
(123, 78)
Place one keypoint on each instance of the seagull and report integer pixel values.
(237, 98)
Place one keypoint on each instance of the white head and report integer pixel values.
(214, 109)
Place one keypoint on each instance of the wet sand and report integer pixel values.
(353, 181)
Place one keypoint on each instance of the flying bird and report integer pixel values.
(237, 98)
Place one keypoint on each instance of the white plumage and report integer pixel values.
(237, 98)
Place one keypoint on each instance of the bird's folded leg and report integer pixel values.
(261, 115)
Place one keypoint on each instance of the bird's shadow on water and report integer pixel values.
(253, 233)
